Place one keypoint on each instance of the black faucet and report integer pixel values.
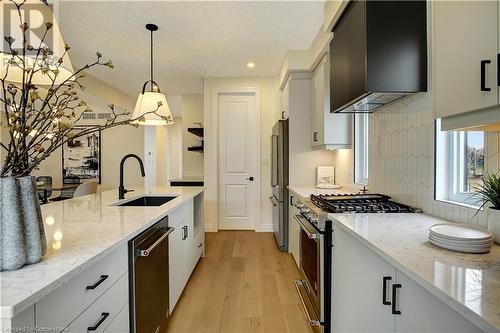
(122, 190)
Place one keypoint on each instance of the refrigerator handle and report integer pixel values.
(274, 160)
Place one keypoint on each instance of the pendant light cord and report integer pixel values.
(152, 60)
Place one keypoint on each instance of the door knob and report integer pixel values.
(250, 179)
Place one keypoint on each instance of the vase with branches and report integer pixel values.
(37, 120)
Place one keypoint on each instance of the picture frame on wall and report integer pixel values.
(81, 158)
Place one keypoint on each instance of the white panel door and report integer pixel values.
(237, 160)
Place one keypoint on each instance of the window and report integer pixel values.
(459, 165)
(361, 148)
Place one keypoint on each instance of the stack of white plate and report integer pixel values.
(460, 238)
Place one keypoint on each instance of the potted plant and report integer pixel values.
(489, 194)
(39, 109)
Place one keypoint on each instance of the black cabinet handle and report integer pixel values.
(95, 285)
(315, 136)
(104, 315)
(200, 245)
(395, 288)
(483, 75)
(498, 69)
(184, 232)
(384, 290)
(282, 114)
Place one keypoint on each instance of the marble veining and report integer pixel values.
(469, 283)
(79, 232)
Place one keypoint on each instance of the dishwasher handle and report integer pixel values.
(145, 253)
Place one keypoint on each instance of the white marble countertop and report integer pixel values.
(306, 191)
(468, 283)
(79, 232)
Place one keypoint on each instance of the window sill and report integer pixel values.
(461, 204)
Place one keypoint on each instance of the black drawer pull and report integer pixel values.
(95, 285)
(315, 136)
(483, 75)
(384, 290)
(395, 288)
(104, 315)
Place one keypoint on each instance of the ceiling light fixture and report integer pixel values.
(28, 59)
(149, 101)
(251, 65)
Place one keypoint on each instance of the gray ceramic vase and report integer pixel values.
(22, 237)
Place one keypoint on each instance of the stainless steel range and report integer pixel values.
(316, 244)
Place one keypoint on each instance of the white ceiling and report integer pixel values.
(196, 39)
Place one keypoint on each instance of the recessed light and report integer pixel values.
(250, 65)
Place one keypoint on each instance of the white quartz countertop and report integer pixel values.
(79, 232)
(468, 283)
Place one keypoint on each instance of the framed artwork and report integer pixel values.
(325, 175)
(81, 158)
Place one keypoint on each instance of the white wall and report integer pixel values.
(269, 102)
(192, 110)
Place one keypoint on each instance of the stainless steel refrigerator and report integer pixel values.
(279, 182)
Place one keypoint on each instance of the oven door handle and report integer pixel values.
(310, 234)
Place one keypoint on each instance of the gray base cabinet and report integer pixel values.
(360, 303)
(186, 245)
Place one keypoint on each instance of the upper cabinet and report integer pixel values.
(378, 54)
(466, 56)
(331, 131)
(285, 101)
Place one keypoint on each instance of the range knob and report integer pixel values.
(306, 211)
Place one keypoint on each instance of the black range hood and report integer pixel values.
(378, 54)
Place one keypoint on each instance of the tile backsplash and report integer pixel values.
(401, 162)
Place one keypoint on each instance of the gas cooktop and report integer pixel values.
(360, 203)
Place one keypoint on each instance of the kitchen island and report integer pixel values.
(84, 232)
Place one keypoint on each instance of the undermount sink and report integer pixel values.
(148, 200)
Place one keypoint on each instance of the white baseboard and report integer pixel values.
(210, 228)
(268, 227)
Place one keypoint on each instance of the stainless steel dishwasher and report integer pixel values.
(148, 269)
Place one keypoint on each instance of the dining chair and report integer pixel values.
(46, 192)
(85, 189)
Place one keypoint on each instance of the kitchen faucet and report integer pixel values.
(122, 190)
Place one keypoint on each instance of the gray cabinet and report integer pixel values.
(357, 287)
(328, 130)
(358, 295)
(465, 54)
(285, 101)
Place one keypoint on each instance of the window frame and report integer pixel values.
(361, 139)
(450, 171)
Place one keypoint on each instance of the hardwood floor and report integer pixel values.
(244, 284)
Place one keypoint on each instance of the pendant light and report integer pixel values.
(38, 14)
(148, 100)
